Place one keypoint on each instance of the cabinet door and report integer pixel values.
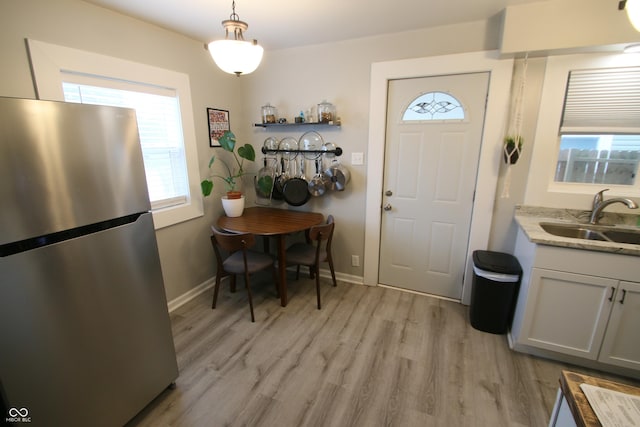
(567, 312)
(621, 344)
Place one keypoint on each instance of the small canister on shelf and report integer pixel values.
(326, 112)
(269, 113)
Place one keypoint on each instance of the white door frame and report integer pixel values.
(490, 151)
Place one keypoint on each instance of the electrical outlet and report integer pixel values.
(355, 261)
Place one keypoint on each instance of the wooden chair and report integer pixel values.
(240, 260)
(311, 254)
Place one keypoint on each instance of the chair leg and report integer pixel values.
(333, 273)
(298, 272)
(311, 272)
(246, 284)
(232, 283)
(276, 281)
(215, 292)
(317, 285)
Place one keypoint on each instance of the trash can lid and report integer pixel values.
(498, 262)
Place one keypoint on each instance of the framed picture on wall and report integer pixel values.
(218, 125)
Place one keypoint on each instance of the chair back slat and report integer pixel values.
(233, 242)
(321, 232)
(237, 244)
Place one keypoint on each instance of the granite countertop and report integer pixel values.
(530, 217)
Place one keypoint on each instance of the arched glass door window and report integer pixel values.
(434, 106)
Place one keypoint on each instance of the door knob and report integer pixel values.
(388, 193)
(387, 207)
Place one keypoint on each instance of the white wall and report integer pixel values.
(291, 79)
(295, 79)
(504, 228)
(552, 28)
(185, 249)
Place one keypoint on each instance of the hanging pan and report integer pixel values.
(288, 144)
(296, 189)
(336, 176)
(279, 181)
(317, 185)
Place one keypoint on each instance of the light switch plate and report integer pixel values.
(357, 159)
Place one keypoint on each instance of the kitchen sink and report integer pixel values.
(623, 236)
(574, 231)
(587, 232)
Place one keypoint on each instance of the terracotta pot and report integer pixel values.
(234, 194)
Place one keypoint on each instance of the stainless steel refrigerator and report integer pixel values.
(85, 337)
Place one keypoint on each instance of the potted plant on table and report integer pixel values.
(233, 202)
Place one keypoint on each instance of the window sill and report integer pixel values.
(167, 217)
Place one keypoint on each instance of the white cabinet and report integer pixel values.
(582, 304)
(621, 346)
(567, 312)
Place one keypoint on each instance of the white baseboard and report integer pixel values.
(349, 278)
(190, 294)
(208, 284)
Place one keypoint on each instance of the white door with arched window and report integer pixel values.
(433, 137)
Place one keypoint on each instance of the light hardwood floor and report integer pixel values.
(371, 357)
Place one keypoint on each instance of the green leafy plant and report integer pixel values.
(511, 155)
(511, 141)
(244, 152)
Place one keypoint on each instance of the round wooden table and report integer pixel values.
(274, 222)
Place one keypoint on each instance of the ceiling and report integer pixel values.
(279, 24)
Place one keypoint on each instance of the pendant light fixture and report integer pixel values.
(633, 11)
(234, 55)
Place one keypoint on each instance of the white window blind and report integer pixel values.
(159, 126)
(602, 101)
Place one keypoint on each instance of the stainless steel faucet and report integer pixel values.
(599, 204)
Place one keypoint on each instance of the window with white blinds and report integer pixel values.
(604, 101)
(159, 126)
(162, 100)
(600, 127)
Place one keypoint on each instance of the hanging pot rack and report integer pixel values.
(337, 151)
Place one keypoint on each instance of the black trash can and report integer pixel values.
(496, 281)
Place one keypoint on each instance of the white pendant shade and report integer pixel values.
(236, 56)
(633, 12)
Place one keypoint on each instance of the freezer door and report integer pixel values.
(85, 333)
(65, 165)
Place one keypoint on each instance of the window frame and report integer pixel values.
(542, 190)
(49, 61)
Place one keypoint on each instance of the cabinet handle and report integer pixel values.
(624, 294)
(613, 292)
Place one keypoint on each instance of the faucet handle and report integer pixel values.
(599, 196)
